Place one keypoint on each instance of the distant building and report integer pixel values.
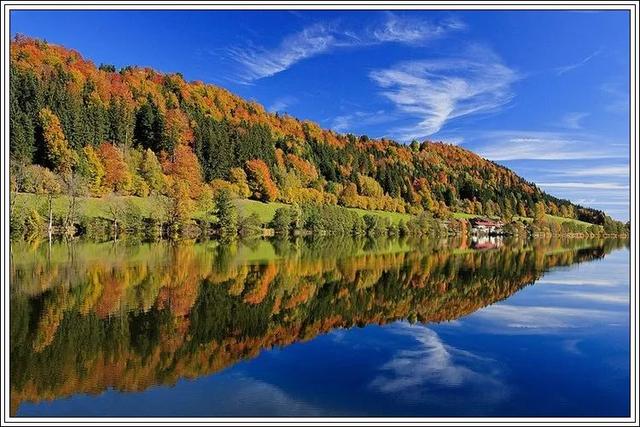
(485, 225)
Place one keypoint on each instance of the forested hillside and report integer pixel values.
(96, 131)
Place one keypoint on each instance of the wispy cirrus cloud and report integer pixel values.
(580, 166)
(259, 62)
(601, 203)
(409, 30)
(584, 185)
(577, 282)
(435, 91)
(573, 120)
(570, 67)
(540, 145)
(607, 298)
(542, 319)
(436, 365)
(612, 171)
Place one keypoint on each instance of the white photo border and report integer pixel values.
(630, 6)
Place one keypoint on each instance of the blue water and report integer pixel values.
(557, 348)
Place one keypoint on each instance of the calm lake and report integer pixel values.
(320, 328)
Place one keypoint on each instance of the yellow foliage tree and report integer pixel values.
(238, 178)
(61, 157)
(95, 170)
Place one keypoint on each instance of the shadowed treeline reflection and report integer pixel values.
(86, 317)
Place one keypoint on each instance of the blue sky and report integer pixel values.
(542, 92)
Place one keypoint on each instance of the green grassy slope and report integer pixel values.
(99, 207)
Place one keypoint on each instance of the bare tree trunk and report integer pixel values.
(50, 228)
(12, 203)
(71, 214)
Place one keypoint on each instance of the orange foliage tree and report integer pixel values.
(184, 166)
(116, 173)
(260, 182)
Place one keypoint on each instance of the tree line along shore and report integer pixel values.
(225, 217)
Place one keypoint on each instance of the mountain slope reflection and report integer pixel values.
(87, 317)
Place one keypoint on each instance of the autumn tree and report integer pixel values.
(180, 206)
(151, 171)
(539, 213)
(177, 129)
(304, 169)
(507, 212)
(238, 178)
(488, 208)
(522, 210)
(61, 158)
(349, 195)
(369, 186)
(116, 172)
(260, 182)
(184, 166)
(94, 170)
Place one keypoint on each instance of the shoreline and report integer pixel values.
(112, 217)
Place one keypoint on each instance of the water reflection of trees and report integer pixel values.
(86, 317)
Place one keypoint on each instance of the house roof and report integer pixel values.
(485, 222)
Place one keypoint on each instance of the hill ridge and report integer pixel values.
(138, 131)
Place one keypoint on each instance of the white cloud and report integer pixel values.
(406, 30)
(601, 203)
(584, 185)
(595, 296)
(537, 145)
(577, 282)
(435, 365)
(260, 62)
(566, 68)
(237, 393)
(619, 171)
(435, 91)
(573, 120)
(541, 319)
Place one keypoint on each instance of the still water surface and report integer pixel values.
(322, 328)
